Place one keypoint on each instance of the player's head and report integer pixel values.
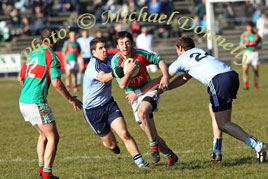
(124, 42)
(98, 48)
(84, 33)
(184, 43)
(250, 26)
(72, 35)
(49, 37)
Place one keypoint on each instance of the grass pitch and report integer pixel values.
(183, 121)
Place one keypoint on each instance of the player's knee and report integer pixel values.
(125, 135)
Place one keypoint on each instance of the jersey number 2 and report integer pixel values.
(198, 57)
(34, 63)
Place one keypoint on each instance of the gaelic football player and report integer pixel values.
(223, 84)
(100, 110)
(37, 73)
(143, 105)
(252, 42)
(71, 55)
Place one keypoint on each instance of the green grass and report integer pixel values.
(183, 121)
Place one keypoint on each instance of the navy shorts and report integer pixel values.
(100, 118)
(222, 90)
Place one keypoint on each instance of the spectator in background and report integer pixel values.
(155, 6)
(15, 17)
(64, 5)
(47, 7)
(122, 26)
(27, 30)
(200, 11)
(262, 25)
(22, 5)
(99, 34)
(203, 23)
(167, 7)
(175, 30)
(145, 41)
(257, 13)
(98, 4)
(132, 6)
(111, 37)
(84, 43)
(229, 13)
(39, 21)
(1, 9)
(4, 32)
(161, 32)
(135, 28)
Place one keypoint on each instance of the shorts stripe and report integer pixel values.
(47, 110)
(85, 114)
(40, 114)
(214, 95)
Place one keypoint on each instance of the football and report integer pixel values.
(136, 70)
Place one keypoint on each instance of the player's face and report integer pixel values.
(100, 52)
(249, 28)
(124, 45)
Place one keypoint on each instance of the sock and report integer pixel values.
(256, 84)
(253, 143)
(217, 142)
(169, 156)
(47, 172)
(40, 167)
(246, 84)
(79, 78)
(138, 159)
(153, 145)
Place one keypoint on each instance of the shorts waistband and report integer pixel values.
(98, 107)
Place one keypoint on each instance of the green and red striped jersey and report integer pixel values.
(37, 72)
(251, 40)
(72, 50)
(143, 57)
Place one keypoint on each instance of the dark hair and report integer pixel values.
(250, 23)
(122, 35)
(186, 43)
(47, 34)
(94, 42)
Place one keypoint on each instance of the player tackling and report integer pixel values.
(223, 84)
(100, 110)
(143, 105)
(36, 75)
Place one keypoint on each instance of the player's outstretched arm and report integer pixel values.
(165, 78)
(59, 86)
(179, 81)
(104, 77)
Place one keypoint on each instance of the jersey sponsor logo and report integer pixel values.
(136, 80)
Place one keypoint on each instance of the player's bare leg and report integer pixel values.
(52, 136)
(80, 71)
(217, 134)
(41, 146)
(120, 127)
(109, 141)
(245, 75)
(223, 119)
(67, 79)
(156, 142)
(74, 80)
(256, 75)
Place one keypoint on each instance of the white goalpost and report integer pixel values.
(211, 21)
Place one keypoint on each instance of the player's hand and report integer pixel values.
(164, 82)
(118, 72)
(131, 96)
(76, 103)
(131, 65)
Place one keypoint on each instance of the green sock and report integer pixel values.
(47, 170)
(153, 143)
(167, 155)
(41, 164)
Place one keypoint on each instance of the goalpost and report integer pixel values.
(211, 21)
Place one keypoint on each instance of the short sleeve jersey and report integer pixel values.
(71, 49)
(252, 40)
(144, 58)
(85, 46)
(37, 72)
(199, 64)
(96, 93)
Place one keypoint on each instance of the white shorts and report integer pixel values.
(135, 105)
(251, 57)
(71, 65)
(37, 113)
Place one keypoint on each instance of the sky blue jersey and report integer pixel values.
(85, 46)
(96, 93)
(199, 64)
